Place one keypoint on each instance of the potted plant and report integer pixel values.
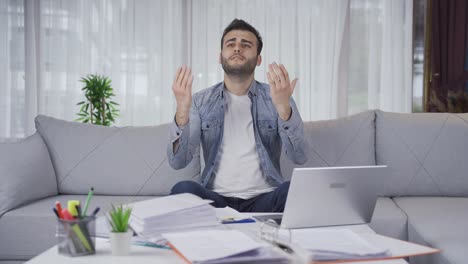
(98, 108)
(121, 234)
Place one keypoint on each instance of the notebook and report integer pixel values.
(339, 244)
(222, 246)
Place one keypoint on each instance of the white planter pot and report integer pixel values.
(120, 243)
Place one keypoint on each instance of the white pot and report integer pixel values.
(120, 243)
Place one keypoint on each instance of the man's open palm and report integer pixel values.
(281, 89)
(182, 88)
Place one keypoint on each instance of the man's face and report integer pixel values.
(239, 54)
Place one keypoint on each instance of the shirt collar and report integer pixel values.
(252, 89)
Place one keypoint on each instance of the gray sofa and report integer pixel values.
(424, 199)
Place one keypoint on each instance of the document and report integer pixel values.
(157, 207)
(343, 245)
(325, 245)
(222, 246)
(151, 218)
(399, 248)
(228, 212)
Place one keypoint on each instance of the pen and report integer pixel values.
(78, 211)
(239, 221)
(81, 236)
(56, 213)
(72, 207)
(58, 206)
(96, 211)
(66, 215)
(88, 199)
(148, 244)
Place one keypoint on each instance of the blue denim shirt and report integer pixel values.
(206, 125)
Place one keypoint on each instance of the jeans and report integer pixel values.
(273, 201)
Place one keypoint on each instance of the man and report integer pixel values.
(242, 125)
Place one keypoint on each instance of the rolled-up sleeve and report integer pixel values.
(188, 137)
(292, 135)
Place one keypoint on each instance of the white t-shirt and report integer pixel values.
(239, 174)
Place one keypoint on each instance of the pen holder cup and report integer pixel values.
(76, 237)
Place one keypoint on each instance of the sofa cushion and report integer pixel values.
(30, 230)
(345, 141)
(113, 160)
(440, 222)
(26, 173)
(389, 220)
(426, 153)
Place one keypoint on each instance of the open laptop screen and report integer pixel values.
(329, 196)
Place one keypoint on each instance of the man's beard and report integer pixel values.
(239, 70)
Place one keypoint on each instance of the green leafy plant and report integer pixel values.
(118, 218)
(98, 108)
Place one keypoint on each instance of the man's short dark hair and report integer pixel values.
(239, 24)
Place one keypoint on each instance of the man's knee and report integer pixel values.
(283, 189)
(281, 193)
(186, 187)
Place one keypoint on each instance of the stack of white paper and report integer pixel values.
(222, 246)
(151, 218)
(336, 244)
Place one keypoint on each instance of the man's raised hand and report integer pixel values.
(281, 89)
(182, 88)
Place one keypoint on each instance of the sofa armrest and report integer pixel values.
(26, 173)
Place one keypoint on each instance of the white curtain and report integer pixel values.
(349, 55)
(12, 68)
(306, 36)
(137, 44)
(380, 75)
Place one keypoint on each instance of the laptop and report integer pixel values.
(330, 196)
